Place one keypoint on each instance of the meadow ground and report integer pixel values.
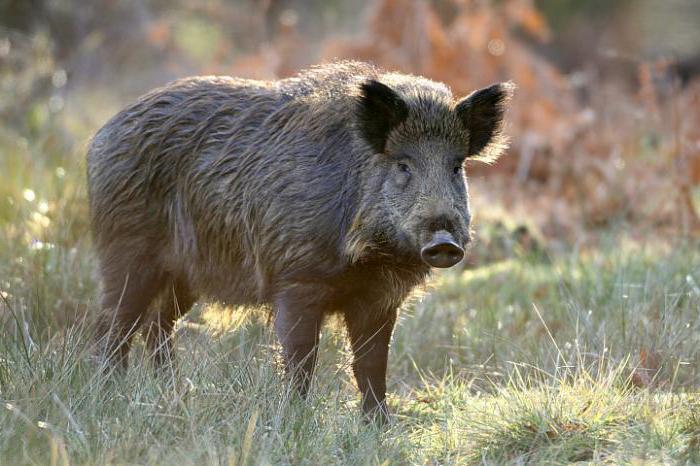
(582, 353)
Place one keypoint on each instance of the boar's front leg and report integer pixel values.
(298, 318)
(369, 336)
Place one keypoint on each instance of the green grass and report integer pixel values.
(590, 354)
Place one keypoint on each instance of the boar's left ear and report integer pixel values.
(481, 113)
(380, 110)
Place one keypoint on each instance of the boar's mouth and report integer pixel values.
(442, 251)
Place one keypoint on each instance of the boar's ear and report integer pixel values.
(481, 113)
(380, 110)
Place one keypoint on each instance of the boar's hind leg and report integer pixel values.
(298, 318)
(369, 336)
(176, 300)
(128, 291)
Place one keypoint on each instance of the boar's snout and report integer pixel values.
(442, 251)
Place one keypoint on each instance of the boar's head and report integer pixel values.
(421, 138)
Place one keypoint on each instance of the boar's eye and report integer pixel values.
(457, 169)
(404, 168)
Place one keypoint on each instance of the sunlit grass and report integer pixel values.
(588, 354)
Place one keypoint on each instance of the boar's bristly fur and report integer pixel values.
(333, 191)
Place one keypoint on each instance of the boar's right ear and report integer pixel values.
(481, 113)
(380, 110)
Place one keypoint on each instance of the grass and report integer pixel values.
(590, 354)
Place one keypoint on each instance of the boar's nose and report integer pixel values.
(442, 251)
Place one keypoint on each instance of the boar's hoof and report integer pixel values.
(442, 251)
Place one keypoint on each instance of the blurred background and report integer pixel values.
(605, 125)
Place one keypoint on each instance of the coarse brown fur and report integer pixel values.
(285, 194)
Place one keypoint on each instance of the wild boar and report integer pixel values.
(333, 191)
